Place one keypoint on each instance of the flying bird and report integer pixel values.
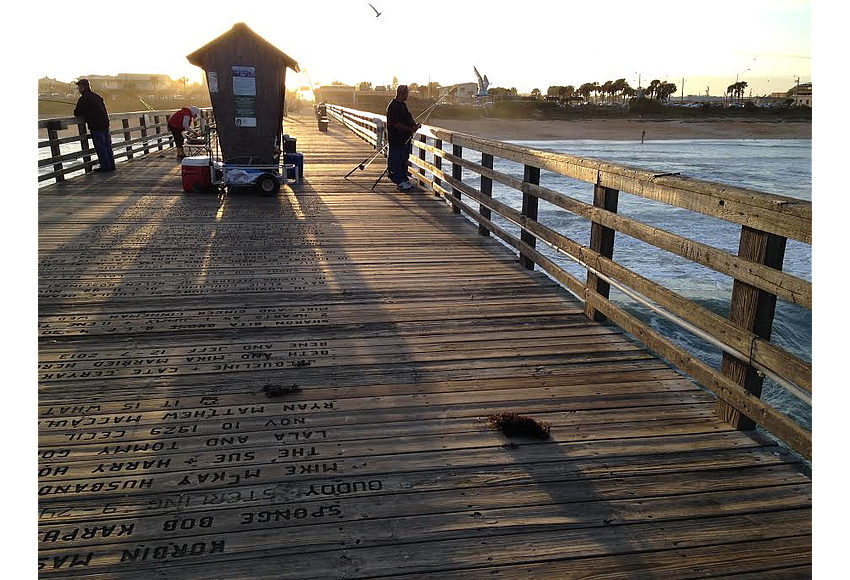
(375, 9)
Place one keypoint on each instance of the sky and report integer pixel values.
(528, 44)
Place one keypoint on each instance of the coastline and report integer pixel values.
(626, 129)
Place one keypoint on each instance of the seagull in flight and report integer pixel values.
(375, 9)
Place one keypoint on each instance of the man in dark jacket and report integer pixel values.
(90, 107)
(400, 126)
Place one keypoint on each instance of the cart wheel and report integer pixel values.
(268, 184)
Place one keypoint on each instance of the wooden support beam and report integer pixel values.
(457, 173)
(84, 145)
(751, 309)
(53, 137)
(486, 189)
(601, 241)
(143, 125)
(158, 132)
(421, 139)
(438, 163)
(529, 209)
(126, 124)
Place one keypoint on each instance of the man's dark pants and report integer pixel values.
(103, 147)
(397, 162)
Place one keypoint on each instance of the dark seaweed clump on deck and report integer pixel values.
(272, 390)
(514, 425)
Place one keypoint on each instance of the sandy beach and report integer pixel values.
(628, 129)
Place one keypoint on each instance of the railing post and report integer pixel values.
(751, 309)
(457, 173)
(438, 163)
(602, 241)
(422, 139)
(158, 132)
(84, 145)
(53, 136)
(486, 189)
(125, 122)
(529, 210)
(143, 124)
(379, 134)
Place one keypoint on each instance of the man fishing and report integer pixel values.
(91, 107)
(400, 126)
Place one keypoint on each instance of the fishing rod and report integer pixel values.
(368, 161)
(55, 101)
(147, 105)
(406, 144)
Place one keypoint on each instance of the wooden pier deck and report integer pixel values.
(389, 331)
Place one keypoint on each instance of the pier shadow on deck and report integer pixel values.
(399, 330)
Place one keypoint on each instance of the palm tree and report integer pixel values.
(625, 89)
(184, 80)
(666, 89)
(596, 89)
(653, 88)
(741, 87)
(737, 90)
(619, 85)
(607, 89)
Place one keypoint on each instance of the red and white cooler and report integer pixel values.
(196, 174)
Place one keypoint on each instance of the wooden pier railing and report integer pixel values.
(132, 134)
(766, 222)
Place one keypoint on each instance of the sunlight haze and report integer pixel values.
(533, 44)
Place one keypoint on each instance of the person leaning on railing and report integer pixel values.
(182, 121)
(92, 109)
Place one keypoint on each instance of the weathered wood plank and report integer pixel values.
(400, 352)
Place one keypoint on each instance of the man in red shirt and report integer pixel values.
(182, 121)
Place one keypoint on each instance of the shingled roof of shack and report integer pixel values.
(240, 29)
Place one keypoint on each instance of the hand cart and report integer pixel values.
(246, 172)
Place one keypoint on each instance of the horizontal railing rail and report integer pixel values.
(367, 126)
(766, 222)
(142, 132)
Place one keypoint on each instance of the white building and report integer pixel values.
(802, 95)
(464, 90)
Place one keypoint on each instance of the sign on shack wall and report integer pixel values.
(245, 95)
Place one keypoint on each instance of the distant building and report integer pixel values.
(374, 99)
(465, 91)
(702, 99)
(132, 82)
(342, 95)
(49, 85)
(772, 100)
(802, 95)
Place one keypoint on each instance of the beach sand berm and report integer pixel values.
(626, 129)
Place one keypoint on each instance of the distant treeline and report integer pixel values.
(547, 110)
